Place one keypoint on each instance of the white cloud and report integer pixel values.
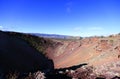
(95, 28)
(88, 31)
(77, 29)
(68, 6)
(68, 9)
(1, 27)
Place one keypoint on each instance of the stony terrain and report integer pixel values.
(101, 54)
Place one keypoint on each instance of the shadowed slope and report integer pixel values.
(16, 54)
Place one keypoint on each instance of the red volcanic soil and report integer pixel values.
(102, 54)
(95, 51)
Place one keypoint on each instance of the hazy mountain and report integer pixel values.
(56, 36)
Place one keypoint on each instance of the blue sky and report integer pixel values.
(66, 17)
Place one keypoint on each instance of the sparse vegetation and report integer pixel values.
(101, 36)
(111, 41)
(118, 33)
(111, 35)
(101, 44)
(16, 75)
(38, 43)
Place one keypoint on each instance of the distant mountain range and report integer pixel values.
(56, 36)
